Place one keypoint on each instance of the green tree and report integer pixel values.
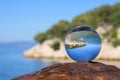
(114, 18)
(41, 37)
(55, 45)
(59, 30)
(116, 43)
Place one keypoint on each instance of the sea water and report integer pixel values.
(13, 63)
(86, 53)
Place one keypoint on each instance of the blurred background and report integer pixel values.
(32, 32)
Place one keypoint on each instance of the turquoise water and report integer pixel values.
(13, 64)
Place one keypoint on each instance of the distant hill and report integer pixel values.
(20, 44)
(107, 17)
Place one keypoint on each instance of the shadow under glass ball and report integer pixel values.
(82, 43)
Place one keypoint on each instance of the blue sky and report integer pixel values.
(20, 20)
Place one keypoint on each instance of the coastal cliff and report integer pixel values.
(75, 71)
(45, 51)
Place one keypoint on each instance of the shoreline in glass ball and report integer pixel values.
(82, 43)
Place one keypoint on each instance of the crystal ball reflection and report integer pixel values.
(82, 43)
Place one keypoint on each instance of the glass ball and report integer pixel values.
(82, 43)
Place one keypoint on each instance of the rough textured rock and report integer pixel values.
(75, 71)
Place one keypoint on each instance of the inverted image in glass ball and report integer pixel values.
(82, 43)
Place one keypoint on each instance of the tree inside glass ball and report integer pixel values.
(82, 43)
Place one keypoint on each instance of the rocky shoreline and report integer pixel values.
(75, 71)
(45, 51)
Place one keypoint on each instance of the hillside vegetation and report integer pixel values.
(105, 17)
